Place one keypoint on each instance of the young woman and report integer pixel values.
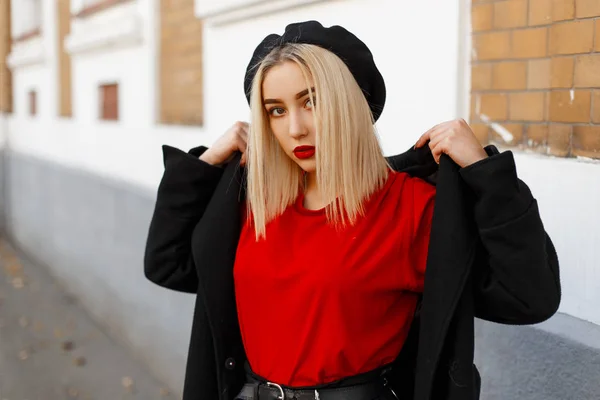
(324, 270)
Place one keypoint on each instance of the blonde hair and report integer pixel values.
(350, 164)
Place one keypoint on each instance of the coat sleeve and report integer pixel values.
(517, 277)
(183, 194)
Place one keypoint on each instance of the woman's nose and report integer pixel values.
(297, 126)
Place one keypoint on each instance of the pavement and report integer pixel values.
(50, 349)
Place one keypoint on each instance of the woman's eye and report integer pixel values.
(276, 112)
(308, 104)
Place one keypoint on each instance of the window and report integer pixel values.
(109, 101)
(32, 102)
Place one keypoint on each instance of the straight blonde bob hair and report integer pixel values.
(350, 164)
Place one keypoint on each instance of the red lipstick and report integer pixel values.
(304, 152)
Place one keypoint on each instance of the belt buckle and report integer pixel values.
(271, 384)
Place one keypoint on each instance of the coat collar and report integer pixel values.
(415, 162)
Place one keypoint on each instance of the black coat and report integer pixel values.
(489, 257)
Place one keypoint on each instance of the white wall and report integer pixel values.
(110, 148)
(128, 149)
(418, 51)
(421, 89)
(568, 193)
(3, 131)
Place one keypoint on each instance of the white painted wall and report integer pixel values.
(3, 131)
(418, 51)
(568, 193)
(108, 148)
(421, 88)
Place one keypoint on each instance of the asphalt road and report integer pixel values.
(51, 350)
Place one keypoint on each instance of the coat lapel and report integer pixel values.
(450, 257)
(215, 242)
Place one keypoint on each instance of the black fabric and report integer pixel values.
(489, 257)
(350, 49)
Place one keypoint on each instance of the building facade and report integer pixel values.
(91, 89)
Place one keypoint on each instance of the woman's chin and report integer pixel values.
(309, 166)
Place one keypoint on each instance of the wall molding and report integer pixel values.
(117, 27)
(84, 10)
(27, 35)
(231, 11)
(25, 53)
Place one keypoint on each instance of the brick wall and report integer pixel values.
(180, 63)
(64, 87)
(5, 44)
(536, 75)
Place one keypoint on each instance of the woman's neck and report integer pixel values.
(312, 195)
(310, 182)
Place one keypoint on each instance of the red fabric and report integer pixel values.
(315, 304)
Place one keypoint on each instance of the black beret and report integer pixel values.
(350, 49)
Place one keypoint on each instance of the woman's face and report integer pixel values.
(290, 113)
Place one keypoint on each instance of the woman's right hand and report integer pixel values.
(233, 140)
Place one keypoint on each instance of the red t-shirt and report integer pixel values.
(316, 305)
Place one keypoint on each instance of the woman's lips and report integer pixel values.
(304, 152)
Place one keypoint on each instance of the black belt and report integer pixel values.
(272, 391)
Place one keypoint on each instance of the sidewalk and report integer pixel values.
(51, 350)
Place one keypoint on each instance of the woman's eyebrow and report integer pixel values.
(304, 93)
(298, 96)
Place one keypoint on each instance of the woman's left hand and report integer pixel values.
(456, 139)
